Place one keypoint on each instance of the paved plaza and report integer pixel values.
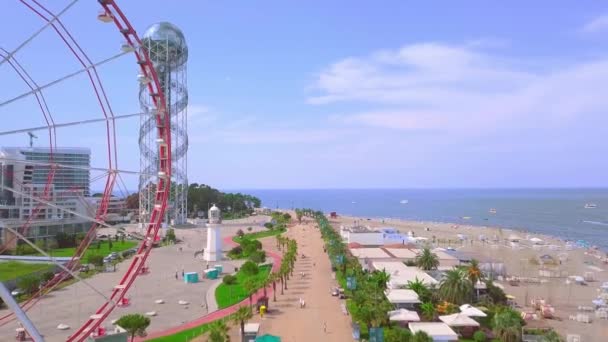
(74, 304)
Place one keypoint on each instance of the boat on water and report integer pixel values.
(590, 205)
(404, 201)
(492, 211)
(466, 217)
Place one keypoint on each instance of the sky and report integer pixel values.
(343, 94)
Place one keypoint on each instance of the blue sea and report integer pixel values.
(557, 212)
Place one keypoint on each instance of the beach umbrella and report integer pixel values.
(536, 240)
(268, 338)
(598, 302)
(471, 311)
(403, 315)
(459, 320)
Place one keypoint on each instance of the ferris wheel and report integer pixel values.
(48, 183)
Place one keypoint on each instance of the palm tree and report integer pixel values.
(274, 277)
(474, 272)
(507, 326)
(427, 260)
(250, 285)
(380, 279)
(218, 332)
(456, 287)
(241, 316)
(428, 311)
(423, 292)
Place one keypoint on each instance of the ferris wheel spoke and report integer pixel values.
(35, 34)
(68, 124)
(66, 77)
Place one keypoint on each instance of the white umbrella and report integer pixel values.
(536, 240)
(459, 320)
(403, 315)
(471, 311)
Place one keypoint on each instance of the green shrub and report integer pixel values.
(29, 283)
(96, 260)
(479, 336)
(250, 268)
(48, 275)
(236, 251)
(258, 257)
(229, 279)
(25, 249)
(240, 233)
(268, 225)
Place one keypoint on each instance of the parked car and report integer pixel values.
(17, 292)
(84, 268)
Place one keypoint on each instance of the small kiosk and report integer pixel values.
(211, 273)
(191, 278)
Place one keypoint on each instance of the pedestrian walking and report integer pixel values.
(175, 275)
(325, 327)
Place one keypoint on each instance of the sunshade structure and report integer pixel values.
(402, 296)
(436, 330)
(514, 238)
(403, 315)
(471, 311)
(459, 320)
(536, 241)
(268, 338)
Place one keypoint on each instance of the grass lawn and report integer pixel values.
(183, 336)
(227, 295)
(259, 235)
(92, 250)
(13, 269)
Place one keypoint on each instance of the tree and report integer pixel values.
(134, 324)
(29, 283)
(496, 294)
(299, 215)
(397, 334)
(250, 268)
(427, 260)
(473, 271)
(258, 257)
(274, 277)
(241, 316)
(553, 336)
(380, 279)
(421, 336)
(110, 243)
(456, 287)
(423, 292)
(218, 331)
(250, 286)
(268, 225)
(479, 336)
(428, 311)
(507, 326)
(170, 236)
(249, 229)
(132, 201)
(95, 259)
(240, 233)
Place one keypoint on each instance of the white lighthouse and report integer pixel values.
(213, 252)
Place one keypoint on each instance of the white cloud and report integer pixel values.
(461, 89)
(597, 24)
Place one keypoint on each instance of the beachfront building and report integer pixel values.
(367, 236)
(400, 274)
(117, 211)
(23, 178)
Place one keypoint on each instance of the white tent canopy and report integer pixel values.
(402, 296)
(436, 330)
(459, 320)
(536, 240)
(403, 315)
(471, 311)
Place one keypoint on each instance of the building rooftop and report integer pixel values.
(402, 253)
(436, 330)
(372, 253)
(402, 296)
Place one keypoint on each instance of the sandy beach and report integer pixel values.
(518, 258)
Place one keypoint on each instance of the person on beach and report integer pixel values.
(175, 275)
(325, 327)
